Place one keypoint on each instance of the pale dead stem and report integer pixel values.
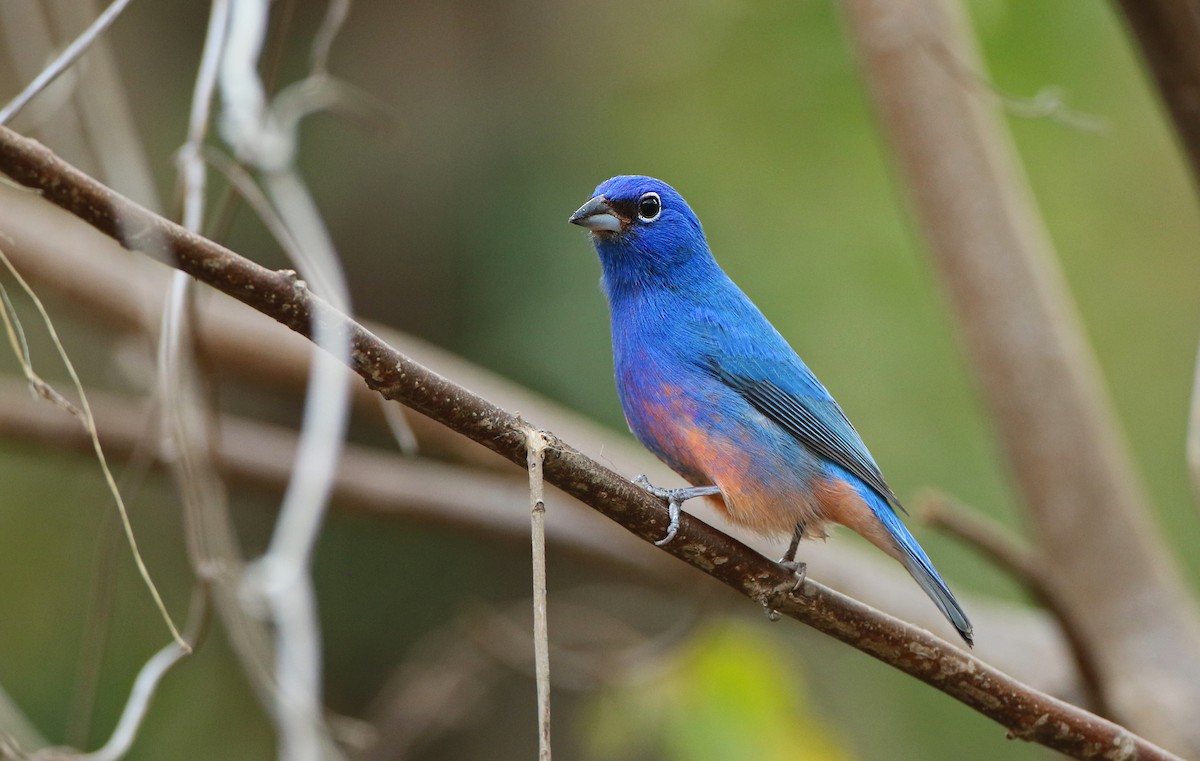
(535, 443)
(60, 64)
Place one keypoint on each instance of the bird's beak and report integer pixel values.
(597, 216)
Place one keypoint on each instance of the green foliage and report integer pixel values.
(728, 692)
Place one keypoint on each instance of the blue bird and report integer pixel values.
(709, 386)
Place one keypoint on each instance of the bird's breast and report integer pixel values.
(670, 418)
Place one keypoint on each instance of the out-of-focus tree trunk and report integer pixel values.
(1087, 509)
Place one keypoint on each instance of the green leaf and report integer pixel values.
(727, 693)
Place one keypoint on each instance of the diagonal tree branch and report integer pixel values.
(1026, 713)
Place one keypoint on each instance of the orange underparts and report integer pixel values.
(841, 503)
(752, 495)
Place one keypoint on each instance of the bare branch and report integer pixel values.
(84, 414)
(335, 16)
(536, 445)
(1036, 369)
(29, 42)
(77, 48)
(260, 456)
(110, 130)
(1026, 713)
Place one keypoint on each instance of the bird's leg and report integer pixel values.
(675, 499)
(798, 569)
(790, 555)
(776, 596)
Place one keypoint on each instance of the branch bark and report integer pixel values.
(1026, 713)
(1033, 362)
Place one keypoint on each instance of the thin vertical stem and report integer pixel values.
(536, 445)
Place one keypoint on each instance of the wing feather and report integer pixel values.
(817, 422)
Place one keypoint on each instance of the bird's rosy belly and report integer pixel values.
(766, 481)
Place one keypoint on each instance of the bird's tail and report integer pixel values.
(918, 564)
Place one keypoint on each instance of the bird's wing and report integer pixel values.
(786, 391)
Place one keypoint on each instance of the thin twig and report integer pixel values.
(84, 413)
(246, 187)
(192, 174)
(1027, 713)
(30, 44)
(285, 575)
(98, 95)
(1023, 564)
(400, 428)
(536, 446)
(81, 710)
(63, 62)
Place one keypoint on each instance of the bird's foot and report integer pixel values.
(675, 499)
(799, 574)
(674, 509)
(773, 599)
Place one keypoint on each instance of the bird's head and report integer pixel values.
(642, 228)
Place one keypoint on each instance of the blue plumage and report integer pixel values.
(709, 386)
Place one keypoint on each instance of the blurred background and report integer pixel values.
(450, 221)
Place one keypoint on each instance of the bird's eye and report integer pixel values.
(649, 207)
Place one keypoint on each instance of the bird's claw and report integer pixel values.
(674, 509)
(675, 499)
(799, 574)
(773, 599)
(644, 483)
